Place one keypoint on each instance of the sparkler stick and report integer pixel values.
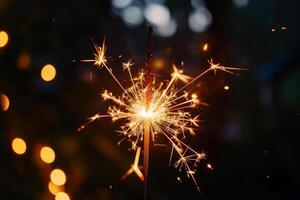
(147, 105)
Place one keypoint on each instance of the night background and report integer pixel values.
(248, 129)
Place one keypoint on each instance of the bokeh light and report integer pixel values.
(19, 146)
(157, 14)
(121, 3)
(132, 15)
(58, 177)
(226, 87)
(158, 63)
(24, 61)
(199, 20)
(167, 29)
(240, 3)
(48, 72)
(3, 38)
(54, 189)
(197, 3)
(4, 101)
(62, 196)
(47, 154)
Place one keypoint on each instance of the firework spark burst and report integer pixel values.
(167, 113)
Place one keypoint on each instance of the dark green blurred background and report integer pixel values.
(249, 131)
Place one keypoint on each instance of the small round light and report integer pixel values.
(58, 177)
(54, 189)
(19, 146)
(24, 61)
(4, 102)
(121, 3)
(157, 14)
(132, 15)
(62, 196)
(167, 29)
(47, 154)
(199, 20)
(48, 72)
(226, 87)
(3, 38)
(240, 3)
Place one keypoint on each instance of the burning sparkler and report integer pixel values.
(150, 109)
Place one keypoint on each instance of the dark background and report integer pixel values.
(249, 132)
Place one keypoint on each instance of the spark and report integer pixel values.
(205, 47)
(166, 114)
(135, 167)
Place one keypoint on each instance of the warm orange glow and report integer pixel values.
(19, 146)
(58, 177)
(4, 101)
(54, 189)
(62, 196)
(226, 87)
(158, 63)
(24, 61)
(205, 47)
(47, 154)
(48, 72)
(3, 38)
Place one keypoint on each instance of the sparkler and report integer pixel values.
(150, 109)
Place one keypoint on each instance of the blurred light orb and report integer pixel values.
(132, 16)
(199, 20)
(240, 3)
(155, 1)
(158, 63)
(3, 38)
(54, 189)
(226, 87)
(167, 29)
(58, 177)
(24, 61)
(197, 3)
(157, 14)
(47, 154)
(62, 196)
(19, 146)
(121, 3)
(48, 72)
(4, 101)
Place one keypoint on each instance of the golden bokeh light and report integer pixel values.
(3, 38)
(48, 72)
(47, 154)
(19, 146)
(4, 101)
(58, 177)
(54, 189)
(62, 196)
